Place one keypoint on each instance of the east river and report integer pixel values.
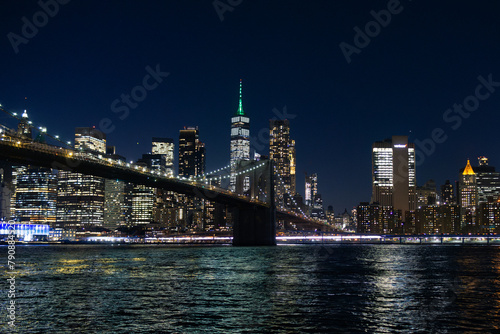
(282, 289)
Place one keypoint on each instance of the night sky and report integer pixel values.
(425, 60)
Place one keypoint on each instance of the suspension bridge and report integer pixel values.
(255, 210)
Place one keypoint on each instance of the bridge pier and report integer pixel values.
(254, 226)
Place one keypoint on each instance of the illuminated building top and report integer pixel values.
(468, 169)
(240, 111)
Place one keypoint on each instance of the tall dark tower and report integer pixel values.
(191, 153)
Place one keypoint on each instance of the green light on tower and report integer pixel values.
(240, 111)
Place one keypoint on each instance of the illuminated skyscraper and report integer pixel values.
(468, 199)
(240, 141)
(142, 203)
(468, 187)
(488, 181)
(24, 127)
(80, 198)
(393, 173)
(282, 151)
(191, 153)
(191, 163)
(90, 140)
(164, 147)
(35, 195)
(293, 165)
(311, 188)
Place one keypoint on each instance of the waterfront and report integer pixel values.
(283, 289)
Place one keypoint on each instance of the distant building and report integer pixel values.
(447, 193)
(433, 219)
(80, 198)
(488, 215)
(6, 190)
(34, 198)
(164, 148)
(240, 142)
(311, 188)
(378, 219)
(488, 181)
(117, 205)
(393, 173)
(330, 215)
(24, 127)
(282, 151)
(426, 194)
(468, 197)
(191, 153)
(142, 202)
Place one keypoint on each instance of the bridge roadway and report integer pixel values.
(44, 155)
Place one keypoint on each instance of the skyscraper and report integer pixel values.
(80, 198)
(191, 163)
(24, 127)
(165, 148)
(311, 188)
(35, 195)
(191, 153)
(488, 181)
(293, 165)
(468, 187)
(393, 173)
(282, 151)
(240, 141)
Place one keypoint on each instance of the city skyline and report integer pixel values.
(403, 82)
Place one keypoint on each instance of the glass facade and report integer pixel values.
(282, 151)
(240, 142)
(80, 198)
(165, 148)
(191, 153)
(143, 199)
(35, 195)
(393, 173)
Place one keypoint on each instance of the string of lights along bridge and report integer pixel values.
(76, 187)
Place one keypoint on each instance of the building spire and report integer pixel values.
(468, 169)
(240, 111)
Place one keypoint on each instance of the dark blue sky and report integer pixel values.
(426, 59)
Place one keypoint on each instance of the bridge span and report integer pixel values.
(254, 219)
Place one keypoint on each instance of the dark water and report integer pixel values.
(284, 289)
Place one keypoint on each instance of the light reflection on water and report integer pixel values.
(354, 288)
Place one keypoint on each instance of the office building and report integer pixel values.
(282, 152)
(393, 173)
(35, 194)
(191, 153)
(447, 193)
(311, 188)
(24, 127)
(468, 187)
(164, 147)
(468, 198)
(488, 181)
(426, 194)
(488, 216)
(80, 198)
